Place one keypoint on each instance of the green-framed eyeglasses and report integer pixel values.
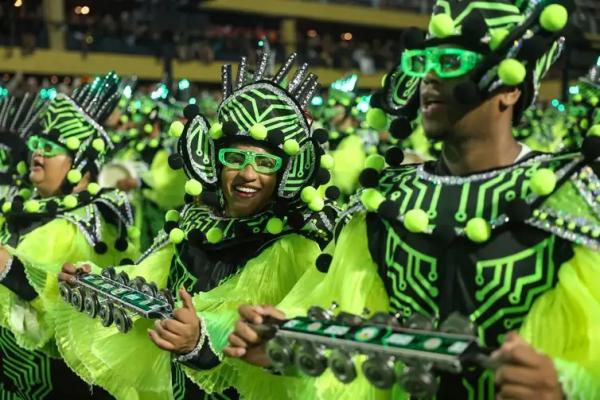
(46, 147)
(445, 62)
(238, 159)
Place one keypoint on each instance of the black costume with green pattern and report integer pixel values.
(495, 282)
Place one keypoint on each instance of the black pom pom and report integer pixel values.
(100, 248)
(210, 199)
(84, 197)
(321, 135)
(190, 111)
(518, 210)
(413, 38)
(322, 176)
(276, 138)
(52, 207)
(296, 220)
(323, 262)
(169, 226)
(445, 234)
(533, 48)
(474, 27)
(388, 209)
(188, 198)
(195, 236)
(591, 147)
(376, 100)
(175, 161)
(121, 244)
(332, 193)
(394, 156)
(467, 93)
(281, 208)
(17, 204)
(400, 128)
(230, 128)
(126, 261)
(54, 134)
(242, 230)
(369, 178)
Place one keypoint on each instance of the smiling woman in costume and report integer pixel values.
(256, 230)
(67, 218)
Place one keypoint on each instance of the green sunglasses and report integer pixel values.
(446, 62)
(46, 147)
(237, 159)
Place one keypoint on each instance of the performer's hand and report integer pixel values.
(245, 342)
(524, 373)
(127, 184)
(4, 256)
(68, 272)
(181, 334)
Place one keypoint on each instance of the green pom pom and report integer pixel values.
(291, 147)
(25, 193)
(176, 129)
(153, 143)
(74, 176)
(543, 182)
(593, 101)
(416, 220)
(70, 201)
(193, 187)
(333, 135)
(116, 138)
(176, 235)
(216, 131)
(172, 216)
(308, 194)
(140, 146)
(478, 230)
(383, 78)
(511, 72)
(98, 145)
(133, 132)
(124, 118)
(133, 233)
(258, 132)
(498, 36)
(375, 161)
(32, 206)
(6, 207)
(21, 167)
(214, 235)
(274, 226)
(377, 119)
(554, 18)
(441, 26)
(594, 130)
(148, 128)
(316, 204)
(72, 143)
(327, 161)
(371, 199)
(93, 188)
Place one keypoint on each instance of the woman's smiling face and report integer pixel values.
(246, 191)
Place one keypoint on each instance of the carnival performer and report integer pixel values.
(505, 236)
(259, 224)
(67, 218)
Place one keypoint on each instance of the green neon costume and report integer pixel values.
(223, 262)
(41, 234)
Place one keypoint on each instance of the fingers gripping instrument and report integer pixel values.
(405, 352)
(114, 298)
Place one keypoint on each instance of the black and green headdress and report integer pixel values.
(76, 123)
(263, 110)
(518, 39)
(17, 116)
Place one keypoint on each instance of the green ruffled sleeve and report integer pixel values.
(128, 366)
(167, 185)
(349, 159)
(571, 313)
(42, 252)
(353, 283)
(265, 279)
